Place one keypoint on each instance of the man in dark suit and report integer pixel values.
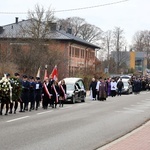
(24, 94)
(31, 92)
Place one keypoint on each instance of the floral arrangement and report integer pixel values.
(16, 88)
(10, 89)
(5, 88)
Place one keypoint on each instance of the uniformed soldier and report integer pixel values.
(24, 94)
(31, 92)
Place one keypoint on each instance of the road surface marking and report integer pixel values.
(127, 112)
(81, 104)
(66, 107)
(44, 112)
(140, 106)
(18, 119)
(134, 110)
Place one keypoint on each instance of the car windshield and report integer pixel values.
(70, 86)
(126, 83)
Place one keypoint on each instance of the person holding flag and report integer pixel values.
(46, 93)
(55, 93)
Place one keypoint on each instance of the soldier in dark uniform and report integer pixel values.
(24, 94)
(31, 92)
(46, 93)
(38, 92)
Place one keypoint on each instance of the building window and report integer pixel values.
(70, 51)
(82, 53)
(76, 52)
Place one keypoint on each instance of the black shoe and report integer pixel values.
(10, 112)
(1, 113)
(14, 112)
(6, 114)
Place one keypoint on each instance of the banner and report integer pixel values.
(54, 73)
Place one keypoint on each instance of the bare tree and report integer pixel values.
(141, 42)
(107, 45)
(39, 23)
(73, 23)
(37, 34)
(119, 45)
(81, 28)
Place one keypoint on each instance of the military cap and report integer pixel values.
(25, 76)
(16, 74)
(37, 78)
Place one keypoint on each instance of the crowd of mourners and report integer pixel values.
(101, 88)
(28, 93)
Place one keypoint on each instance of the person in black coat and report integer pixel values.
(120, 86)
(51, 80)
(46, 93)
(24, 94)
(31, 92)
(93, 89)
(62, 93)
(38, 92)
(55, 93)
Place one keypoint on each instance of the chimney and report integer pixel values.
(16, 20)
(69, 30)
(1, 29)
(53, 26)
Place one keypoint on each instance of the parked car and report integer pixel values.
(125, 77)
(127, 89)
(75, 90)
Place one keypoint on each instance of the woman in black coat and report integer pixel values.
(62, 93)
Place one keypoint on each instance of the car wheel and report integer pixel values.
(83, 100)
(73, 100)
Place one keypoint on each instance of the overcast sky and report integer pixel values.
(131, 15)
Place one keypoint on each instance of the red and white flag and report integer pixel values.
(54, 73)
(45, 73)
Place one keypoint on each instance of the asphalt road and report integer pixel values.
(80, 126)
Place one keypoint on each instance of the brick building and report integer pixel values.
(79, 53)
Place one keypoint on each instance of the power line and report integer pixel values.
(90, 7)
(73, 9)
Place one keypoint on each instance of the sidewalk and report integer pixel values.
(138, 139)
